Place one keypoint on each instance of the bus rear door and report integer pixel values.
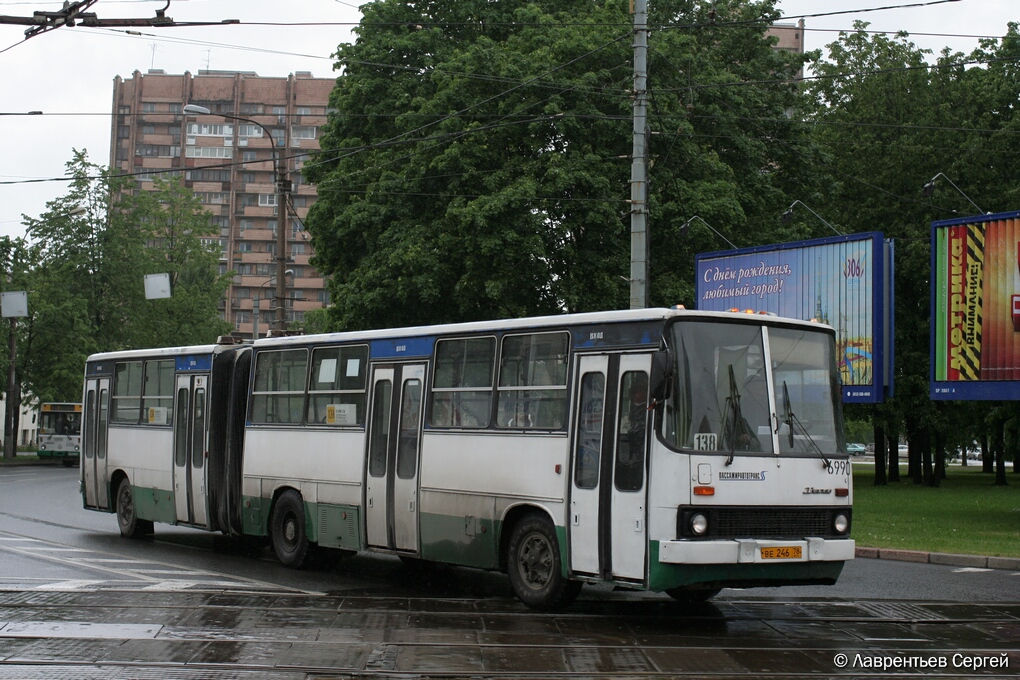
(94, 445)
(394, 441)
(608, 478)
(190, 435)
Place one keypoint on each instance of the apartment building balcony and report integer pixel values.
(156, 162)
(256, 235)
(148, 117)
(164, 139)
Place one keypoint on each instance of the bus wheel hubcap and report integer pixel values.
(536, 561)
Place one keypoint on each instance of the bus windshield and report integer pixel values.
(722, 402)
(60, 423)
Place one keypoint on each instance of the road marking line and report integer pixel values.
(81, 629)
(80, 584)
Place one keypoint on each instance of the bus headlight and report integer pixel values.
(840, 523)
(698, 524)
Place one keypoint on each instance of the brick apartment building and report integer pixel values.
(229, 165)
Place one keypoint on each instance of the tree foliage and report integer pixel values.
(477, 163)
(87, 257)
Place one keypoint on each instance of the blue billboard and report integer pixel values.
(844, 281)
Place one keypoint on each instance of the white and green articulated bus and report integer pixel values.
(660, 449)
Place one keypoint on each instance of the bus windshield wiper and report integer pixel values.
(792, 420)
(732, 412)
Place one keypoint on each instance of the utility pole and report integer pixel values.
(639, 162)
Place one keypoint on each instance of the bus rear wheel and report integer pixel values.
(127, 519)
(533, 564)
(287, 529)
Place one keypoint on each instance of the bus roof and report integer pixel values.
(551, 321)
(516, 324)
(154, 353)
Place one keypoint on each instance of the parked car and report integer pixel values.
(855, 449)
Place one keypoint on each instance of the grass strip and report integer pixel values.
(967, 514)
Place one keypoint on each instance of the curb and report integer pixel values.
(920, 556)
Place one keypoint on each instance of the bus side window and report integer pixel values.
(127, 392)
(462, 385)
(279, 392)
(336, 386)
(532, 390)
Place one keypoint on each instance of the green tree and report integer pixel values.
(476, 165)
(90, 251)
(182, 242)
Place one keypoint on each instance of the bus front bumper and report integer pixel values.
(756, 551)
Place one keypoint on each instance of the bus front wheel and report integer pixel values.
(127, 519)
(287, 529)
(533, 564)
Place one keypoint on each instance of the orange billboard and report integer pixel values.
(976, 307)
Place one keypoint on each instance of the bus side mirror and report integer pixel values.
(662, 374)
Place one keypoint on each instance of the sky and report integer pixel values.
(68, 73)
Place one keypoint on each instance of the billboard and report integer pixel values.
(975, 307)
(844, 281)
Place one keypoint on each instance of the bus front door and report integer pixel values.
(94, 442)
(608, 476)
(394, 443)
(190, 435)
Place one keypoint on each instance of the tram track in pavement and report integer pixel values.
(211, 634)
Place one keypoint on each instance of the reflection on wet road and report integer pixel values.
(206, 631)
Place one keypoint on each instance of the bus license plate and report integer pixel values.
(781, 552)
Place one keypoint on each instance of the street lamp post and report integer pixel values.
(282, 191)
(687, 224)
(788, 215)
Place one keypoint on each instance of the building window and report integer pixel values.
(267, 200)
(303, 131)
(211, 130)
(157, 151)
(209, 152)
(249, 131)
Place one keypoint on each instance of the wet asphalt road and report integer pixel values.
(77, 601)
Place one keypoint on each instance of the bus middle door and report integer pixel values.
(94, 442)
(608, 486)
(394, 443)
(190, 435)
